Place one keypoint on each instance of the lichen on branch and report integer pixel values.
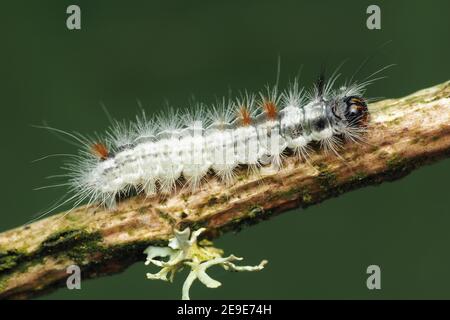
(184, 249)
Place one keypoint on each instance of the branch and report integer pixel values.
(404, 134)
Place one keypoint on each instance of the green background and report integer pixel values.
(170, 50)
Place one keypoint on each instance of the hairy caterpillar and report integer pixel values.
(153, 156)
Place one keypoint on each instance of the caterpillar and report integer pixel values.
(154, 156)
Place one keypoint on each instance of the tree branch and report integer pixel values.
(404, 134)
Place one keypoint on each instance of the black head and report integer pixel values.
(356, 111)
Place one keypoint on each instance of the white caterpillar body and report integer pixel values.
(154, 156)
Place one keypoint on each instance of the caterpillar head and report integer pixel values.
(355, 111)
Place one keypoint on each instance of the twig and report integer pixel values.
(404, 134)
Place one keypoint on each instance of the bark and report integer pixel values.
(404, 134)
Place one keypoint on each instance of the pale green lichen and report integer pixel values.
(185, 250)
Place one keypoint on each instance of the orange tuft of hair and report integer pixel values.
(270, 109)
(100, 150)
(246, 118)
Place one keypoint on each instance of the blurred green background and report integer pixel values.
(153, 51)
